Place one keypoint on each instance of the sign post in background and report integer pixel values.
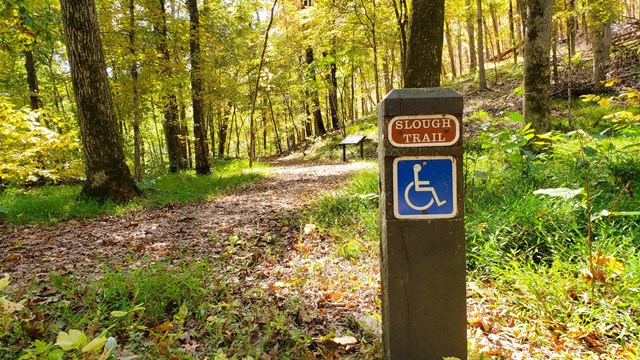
(422, 225)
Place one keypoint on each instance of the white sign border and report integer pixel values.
(432, 116)
(454, 182)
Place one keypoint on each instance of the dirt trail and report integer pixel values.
(186, 232)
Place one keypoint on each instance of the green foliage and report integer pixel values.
(350, 215)
(51, 204)
(31, 153)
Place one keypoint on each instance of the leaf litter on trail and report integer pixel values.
(251, 234)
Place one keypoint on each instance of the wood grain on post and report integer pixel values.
(422, 251)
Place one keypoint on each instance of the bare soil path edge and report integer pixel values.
(186, 231)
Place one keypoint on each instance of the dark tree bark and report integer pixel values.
(424, 50)
(512, 34)
(30, 68)
(401, 10)
(333, 93)
(199, 126)
(171, 123)
(572, 27)
(313, 93)
(537, 84)
(108, 176)
(32, 80)
(137, 137)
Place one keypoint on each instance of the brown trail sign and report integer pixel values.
(422, 224)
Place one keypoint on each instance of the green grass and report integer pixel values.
(159, 308)
(532, 250)
(52, 204)
(350, 215)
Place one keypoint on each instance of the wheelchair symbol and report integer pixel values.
(421, 186)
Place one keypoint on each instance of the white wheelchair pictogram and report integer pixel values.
(421, 186)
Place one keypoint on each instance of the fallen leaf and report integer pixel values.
(164, 327)
(74, 339)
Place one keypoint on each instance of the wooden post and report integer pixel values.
(344, 153)
(422, 224)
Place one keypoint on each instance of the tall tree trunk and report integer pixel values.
(183, 130)
(199, 126)
(424, 52)
(473, 62)
(554, 56)
(459, 46)
(313, 93)
(512, 34)
(137, 137)
(171, 123)
(223, 129)
(32, 80)
(252, 141)
(598, 44)
(386, 74)
(482, 76)
(537, 85)
(572, 27)
(333, 92)
(452, 58)
(30, 68)
(108, 176)
(275, 125)
(401, 10)
(496, 31)
(374, 39)
(155, 124)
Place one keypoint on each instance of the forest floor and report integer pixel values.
(251, 231)
(263, 255)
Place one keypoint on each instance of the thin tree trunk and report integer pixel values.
(554, 57)
(452, 58)
(572, 26)
(32, 80)
(171, 123)
(155, 124)
(496, 30)
(199, 126)
(400, 9)
(313, 93)
(473, 63)
(252, 141)
(512, 34)
(30, 68)
(183, 130)
(137, 137)
(459, 46)
(333, 93)
(275, 125)
(482, 77)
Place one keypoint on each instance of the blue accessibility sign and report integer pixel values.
(424, 187)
